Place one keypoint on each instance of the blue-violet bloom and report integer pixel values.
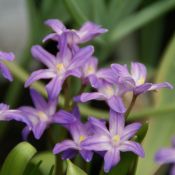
(79, 132)
(114, 140)
(61, 66)
(87, 32)
(38, 118)
(107, 90)
(8, 56)
(138, 75)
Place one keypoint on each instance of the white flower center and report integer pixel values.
(89, 70)
(42, 116)
(108, 91)
(140, 81)
(60, 68)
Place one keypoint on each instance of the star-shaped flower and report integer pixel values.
(114, 140)
(61, 66)
(138, 75)
(87, 32)
(79, 132)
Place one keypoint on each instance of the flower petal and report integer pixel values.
(39, 129)
(76, 112)
(107, 75)
(42, 55)
(90, 67)
(133, 147)
(87, 155)
(4, 106)
(84, 97)
(54, 87)
(39, 74)
(111, 158)
(130, 130)
(99, 126)
(81, 57)
(25, 132)
(5, 72)
(96, 143)
(69, 154)
(65, 54)
(142, 88)
(75, 72)
(9, 56)
(38, 100)
(56, 25)
(63, 146)
(165, 155)
(116, 122)
(89, 31)
(138, 72)
(116, 104)
(160, 85)
(51, 36)
(120, 70)
(172, 172)
(63, 117)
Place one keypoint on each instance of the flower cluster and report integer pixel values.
(110, 84)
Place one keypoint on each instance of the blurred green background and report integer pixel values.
(139, 30)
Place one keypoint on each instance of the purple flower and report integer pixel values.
(87, 32)
(114, 140)
(167, 155)
(79, 132)
(8, 56)
(110, 91)
(61, 66)
(138, 75)
(38, 118)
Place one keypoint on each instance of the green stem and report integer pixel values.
(131, 106)
(59, 166)
(19, 73)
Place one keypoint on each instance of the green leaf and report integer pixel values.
(140, 19)
(73, 169)
(75, 11)
(99, 9)
(160, 129)
(33, 170)
(47, 160)
(119, 9)
(151, 50)
(18, 159)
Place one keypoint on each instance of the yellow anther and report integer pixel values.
(81, 138)
(42, 116)
(116, 138)
(60, 67)
(141, 81)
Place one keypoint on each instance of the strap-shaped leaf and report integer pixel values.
(141, 18)
(47, 160)
(161, 129)
(18, 159)
(73, 169)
